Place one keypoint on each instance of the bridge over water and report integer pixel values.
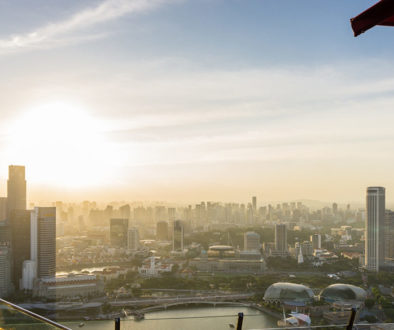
(213, 303)
(167, 301)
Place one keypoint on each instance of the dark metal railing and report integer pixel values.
(32, 315)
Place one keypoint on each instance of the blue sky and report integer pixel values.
(198, 99)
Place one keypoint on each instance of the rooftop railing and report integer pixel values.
(17, 318)
(127, 324)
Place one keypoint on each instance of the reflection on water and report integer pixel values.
(211, 318)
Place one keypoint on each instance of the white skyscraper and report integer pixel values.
(374, 228)
(29, 272)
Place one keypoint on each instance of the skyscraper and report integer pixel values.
(307, 249)
(177, 238)
(21, 232)
(281, 238)
(125, 211)
(374, 228)
(254, 203)
(5, 232)
(171, 213)
(162, 231)
(16, 188)
(118, 232)
(5, 270)
(316, 241)
(133, 239)
(334, 208)
(389, 237)
(251, 241)
(43, 240)
(3, 208)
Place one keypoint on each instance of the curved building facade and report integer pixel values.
(343, 293)
(283, 291)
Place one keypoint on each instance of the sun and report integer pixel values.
(61, 144)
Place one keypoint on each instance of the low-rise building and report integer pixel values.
(68, 286)
(241, 266)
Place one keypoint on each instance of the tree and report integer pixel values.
(370, 318)
(106, 308)
(369, 303)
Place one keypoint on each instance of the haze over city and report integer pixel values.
(195, 100)
(188, 164)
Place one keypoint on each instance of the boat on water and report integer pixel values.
(80, 325)
(231, 325)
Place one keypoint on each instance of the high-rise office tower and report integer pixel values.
(133, 239)
(125, 211)
(307, 249)
(171, 213)
(43, 240)
(118, 232)
(16, 189)
(374, 228)
(281, 237)
(3, 208)
(5, 232)
(21, 232)
(177, 237)
(5, 270)
(316, 241)
(254, 203)
(162, 231)
(389, 237)
(334, 208)
(251, 241)
(160, 213)
(29, 271)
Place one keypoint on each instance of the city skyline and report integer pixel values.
(253, 200)
(140, 100)
(197, 162)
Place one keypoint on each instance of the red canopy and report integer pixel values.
(381, 13)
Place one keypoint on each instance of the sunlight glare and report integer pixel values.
(62, 145)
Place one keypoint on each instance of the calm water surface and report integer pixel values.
(157, 320)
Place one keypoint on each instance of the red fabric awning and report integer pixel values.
(381, 13)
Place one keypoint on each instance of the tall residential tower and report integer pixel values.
(281, 238)
(374, 228)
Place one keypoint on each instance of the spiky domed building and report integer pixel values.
(282, 292)
(343, 293)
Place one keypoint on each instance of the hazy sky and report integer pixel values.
(184, 100)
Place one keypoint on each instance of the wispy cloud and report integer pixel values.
(58, 33)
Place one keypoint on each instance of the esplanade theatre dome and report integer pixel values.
(282, 291)
(343, 293)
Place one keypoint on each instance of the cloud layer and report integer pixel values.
(69, 30)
